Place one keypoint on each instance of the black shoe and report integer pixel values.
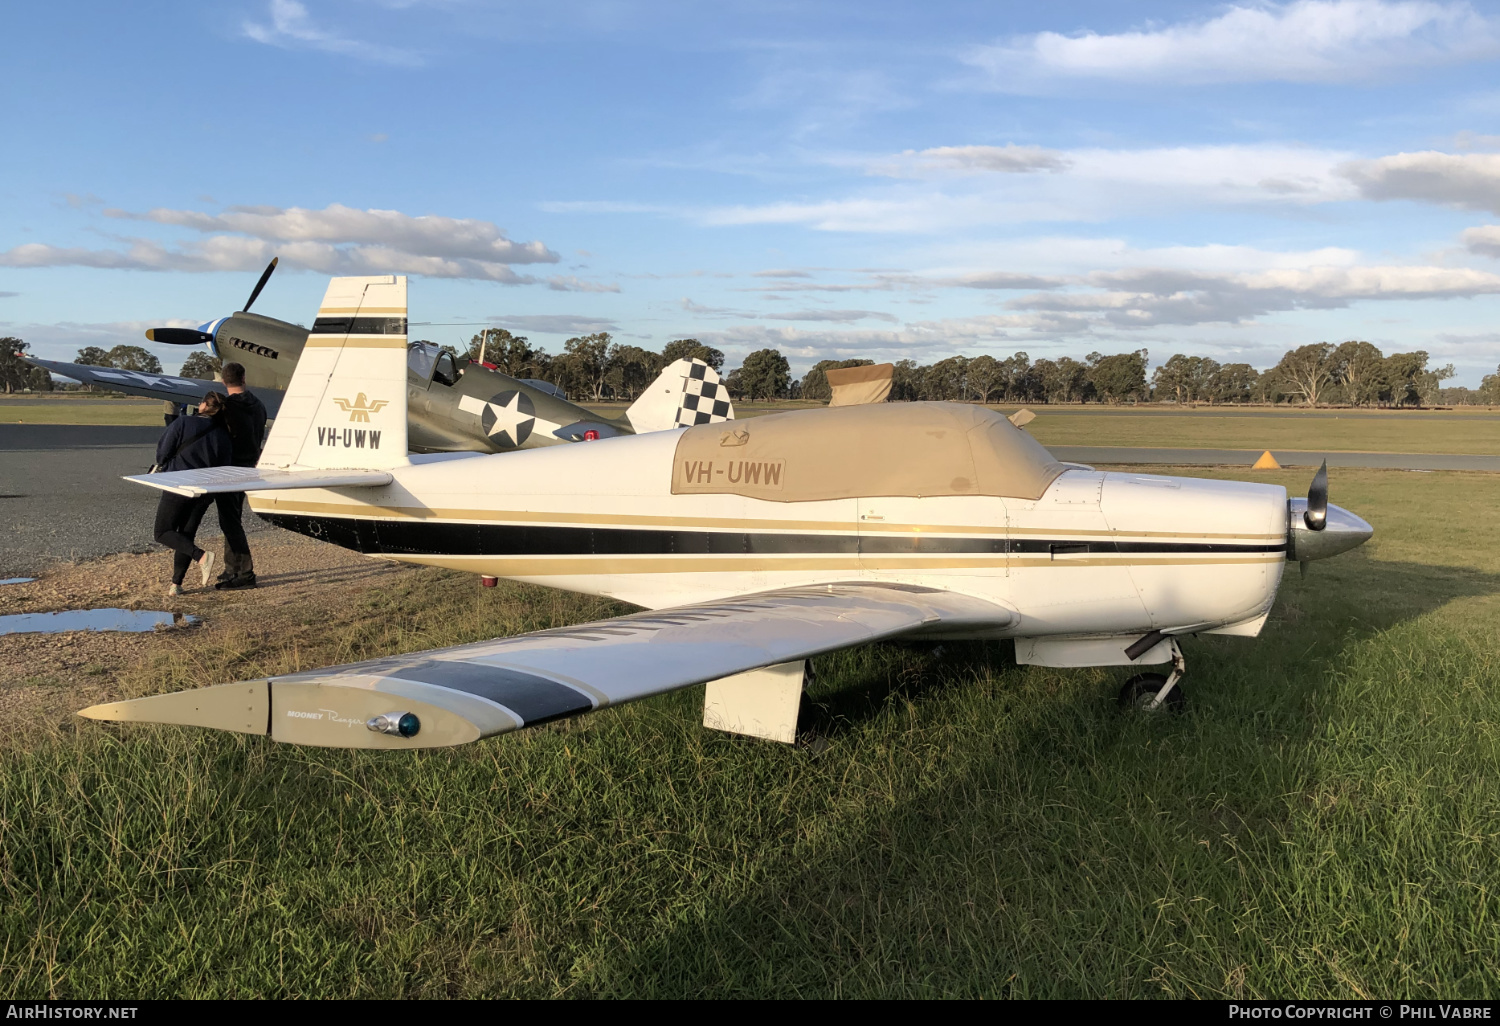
(237, 582)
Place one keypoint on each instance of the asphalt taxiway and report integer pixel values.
(61, 496)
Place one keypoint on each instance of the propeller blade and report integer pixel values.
(265, 277)
(179, 336)
(1316, 516)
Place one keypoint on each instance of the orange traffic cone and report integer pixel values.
(1266, 462)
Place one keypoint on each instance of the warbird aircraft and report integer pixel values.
(754, 546)
(451, 406)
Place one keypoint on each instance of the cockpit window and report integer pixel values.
(420, 358)
(447, 370)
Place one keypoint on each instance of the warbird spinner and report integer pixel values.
(753, 544)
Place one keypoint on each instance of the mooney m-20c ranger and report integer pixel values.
(450, 406)
(754, 545)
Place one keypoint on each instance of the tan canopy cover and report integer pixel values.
(854, 386)
(915, 449)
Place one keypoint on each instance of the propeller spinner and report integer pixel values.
(1316, 530)
(205, 334)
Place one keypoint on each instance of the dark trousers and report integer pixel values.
(177, 520)
(231, 507)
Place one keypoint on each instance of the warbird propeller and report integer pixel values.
(451, 406)
(753, 546)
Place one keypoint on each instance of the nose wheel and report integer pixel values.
(1155, 692)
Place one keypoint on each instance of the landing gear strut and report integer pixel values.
(1149, 692)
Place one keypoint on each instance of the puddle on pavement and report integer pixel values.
(133, 620)
(17, 580)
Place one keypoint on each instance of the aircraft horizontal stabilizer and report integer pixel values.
(218, 480)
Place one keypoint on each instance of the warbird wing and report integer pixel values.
(152, 386)
(453, 695)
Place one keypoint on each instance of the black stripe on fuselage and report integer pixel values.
(424, 537)
(535, 699)
(359, 326)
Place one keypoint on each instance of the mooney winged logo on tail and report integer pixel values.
(359, 411)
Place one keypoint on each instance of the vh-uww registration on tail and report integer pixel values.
(450, 406)
(753, 545)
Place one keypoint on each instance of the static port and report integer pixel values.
(400, 724)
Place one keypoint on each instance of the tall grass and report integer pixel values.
(1322, 822)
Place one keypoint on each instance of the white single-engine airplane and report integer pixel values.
(755, 545)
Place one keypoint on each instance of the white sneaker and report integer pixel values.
(175, 589)
(206, 565)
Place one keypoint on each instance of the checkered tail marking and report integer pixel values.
(705, 400)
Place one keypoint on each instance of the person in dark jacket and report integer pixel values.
(245, 417)
(190, 443)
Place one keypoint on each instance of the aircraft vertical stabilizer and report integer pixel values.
(346, 405)
(688, 392)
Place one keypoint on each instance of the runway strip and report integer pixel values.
(1110, 454)
(61, 496)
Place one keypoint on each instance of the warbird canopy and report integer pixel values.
(753, 546)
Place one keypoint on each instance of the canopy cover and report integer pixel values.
(914, 449)
(852, 386)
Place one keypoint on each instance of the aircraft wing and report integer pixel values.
(152, 386)
(478, 690)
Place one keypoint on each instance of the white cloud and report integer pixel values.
(1009, 159)
(1148, 297)
(1086, 184)
(334, 240)
(1302, 41)
(1006, 280)
(569, 283)
(291, 27)
(555, 324)
(832, 316)
(1470, 181)
(1484, 240)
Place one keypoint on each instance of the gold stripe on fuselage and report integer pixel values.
(353, 511)
(356, 341)
(555, 566)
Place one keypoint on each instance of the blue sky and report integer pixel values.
(832, 179)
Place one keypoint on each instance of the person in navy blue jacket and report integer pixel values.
(190, 443)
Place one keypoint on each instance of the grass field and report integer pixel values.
(1323, 822)
(78, 409)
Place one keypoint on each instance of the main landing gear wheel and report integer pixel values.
(1138, 694)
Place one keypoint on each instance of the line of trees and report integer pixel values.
(595, 368)
(1353, 373)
